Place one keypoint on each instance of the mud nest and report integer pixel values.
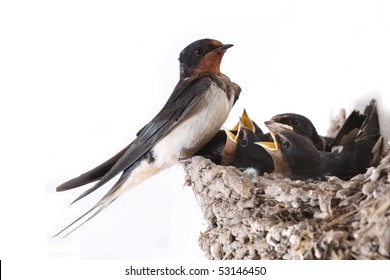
(270, 217)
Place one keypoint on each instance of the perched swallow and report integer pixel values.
(193, 114)
(213, 149)
(241, 151)
(305, 127)
(296, 157)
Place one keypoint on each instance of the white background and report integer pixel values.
(80, 78)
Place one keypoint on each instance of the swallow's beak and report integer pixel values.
(237, 128)
(224, 47)
(230, 135)
(274, 128)
(268, 146)
(246, 121)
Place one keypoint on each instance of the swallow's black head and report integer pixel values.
(248, 154)
(235, 139)
(301, 125)
(241, 151)
(293, 155)
(202, 56)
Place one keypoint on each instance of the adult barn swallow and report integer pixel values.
(213, 149)
(241, 151)
(296, 157)
(197, 108)
(305, 127)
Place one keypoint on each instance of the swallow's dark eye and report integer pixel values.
(294, 122)
(286, 145)
(199, 51)
(244, 142)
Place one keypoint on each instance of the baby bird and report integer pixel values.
(213, 149)
(241, 151)
(296, 157)
(303, 126)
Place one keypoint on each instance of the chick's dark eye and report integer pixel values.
(286, 145)
(294, 122)
(199, 51)
(244, 142)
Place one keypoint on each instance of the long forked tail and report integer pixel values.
(81, 220)
(130, 178)
(112, 195)
(93, 175)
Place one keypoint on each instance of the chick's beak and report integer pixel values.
(273, 127)
(230, 135)
(269, 146)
